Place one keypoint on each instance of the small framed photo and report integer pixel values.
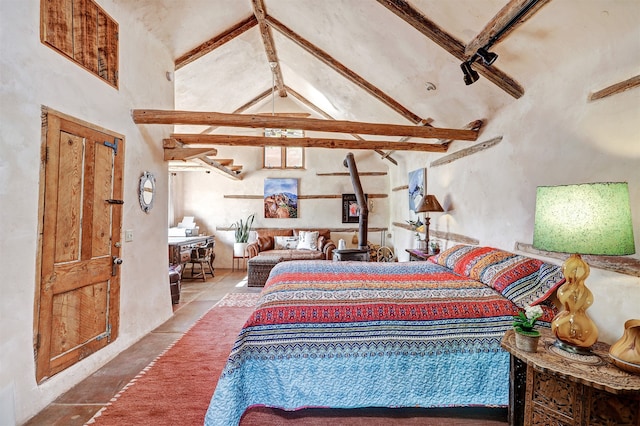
(350, 208)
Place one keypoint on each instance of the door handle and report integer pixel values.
(114, 269)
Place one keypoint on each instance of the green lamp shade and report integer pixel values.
(591, 218)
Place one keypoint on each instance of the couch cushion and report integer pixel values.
(521, 279)
(270, 232)
(285, 242)
(265, 243)
(308, 240)
(321, 232)
(296, 254)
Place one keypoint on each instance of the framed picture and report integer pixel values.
(350, 208)
(417, 187)
(281, 198)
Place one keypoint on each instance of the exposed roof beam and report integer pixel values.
(474, 125)
(260, 12)
(187, 153)
(451, 44)
(343, 70)
(246, 106)
(215, 42)
(616, 88)
(256, 141)
(212, 164)
(500, 22)
(385, 156)
(149, 116)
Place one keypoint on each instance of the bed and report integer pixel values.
(359, 334)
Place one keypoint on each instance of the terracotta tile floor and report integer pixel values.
(79, 404)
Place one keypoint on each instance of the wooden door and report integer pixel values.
(79, 292)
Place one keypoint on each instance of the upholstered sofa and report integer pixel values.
(293, 244)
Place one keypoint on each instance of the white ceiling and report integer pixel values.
(373, 42)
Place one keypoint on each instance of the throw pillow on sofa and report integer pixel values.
(308, 240)
(285, 243)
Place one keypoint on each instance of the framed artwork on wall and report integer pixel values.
(417, 187)
(280, 198)
(350, 209)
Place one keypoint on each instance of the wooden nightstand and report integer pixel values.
(417, 255)
(554, 387)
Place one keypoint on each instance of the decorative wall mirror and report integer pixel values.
(147, 191)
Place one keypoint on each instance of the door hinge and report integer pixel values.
(113, 145)
(106, 334)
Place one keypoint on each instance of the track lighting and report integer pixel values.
(470, 75)
(487, 57)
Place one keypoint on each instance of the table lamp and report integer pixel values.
(591, 218)
(428, 203)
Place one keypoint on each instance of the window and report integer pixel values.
(83, 32)
(283, 157)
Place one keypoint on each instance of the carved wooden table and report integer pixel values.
(567, 389)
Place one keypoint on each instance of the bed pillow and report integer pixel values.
(308, 240)
(521, 279)
(470, 260)
(285, 243)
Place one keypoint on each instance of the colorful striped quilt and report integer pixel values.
(360, 334)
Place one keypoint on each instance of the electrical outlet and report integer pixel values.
(128, 235)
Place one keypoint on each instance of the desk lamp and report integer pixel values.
(591, 218)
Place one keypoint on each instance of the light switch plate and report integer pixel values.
(128, 235)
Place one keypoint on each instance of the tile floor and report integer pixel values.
(79, 404)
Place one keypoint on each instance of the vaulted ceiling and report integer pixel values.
(374, 61)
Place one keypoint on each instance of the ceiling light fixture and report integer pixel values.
(470, 75)
(488, 58)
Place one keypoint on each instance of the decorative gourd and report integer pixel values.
(625, 353)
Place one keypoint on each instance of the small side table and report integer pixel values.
(242, 263)
(417, 255)
(551, 386)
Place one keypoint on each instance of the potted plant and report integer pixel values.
(417, 227)
(242, 230)
(526, 336)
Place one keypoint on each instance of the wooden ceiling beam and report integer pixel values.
(451, 44)
(215, 42)
(615, 88)
(261, 141)
(244, 107)
(149, 116)
(260, 12)
(320, 111)
(342, 69)
(180, 153)
(499, 22)
(213, 165)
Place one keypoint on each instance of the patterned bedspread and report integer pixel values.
(358, 334)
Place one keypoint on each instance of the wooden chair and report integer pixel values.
(202, 256)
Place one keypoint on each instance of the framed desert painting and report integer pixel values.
(280, 198)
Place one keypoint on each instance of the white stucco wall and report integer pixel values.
(551, 136)
(33, 75)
